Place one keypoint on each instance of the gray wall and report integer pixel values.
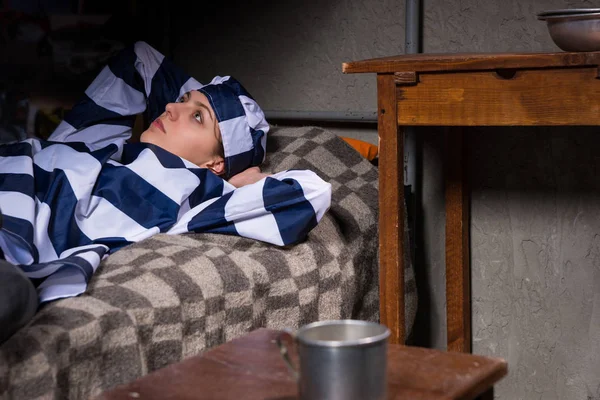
(535, 228)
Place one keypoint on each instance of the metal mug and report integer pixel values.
(344, 359)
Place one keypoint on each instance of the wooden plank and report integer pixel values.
(391, 210)
(406, 78)
(453, 375)
(531, 97)
(251, 367)
(470, 61)
(458, 273)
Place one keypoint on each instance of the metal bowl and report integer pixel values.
(574, 32)
(566, 11)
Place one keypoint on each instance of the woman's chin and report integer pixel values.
(145, 137)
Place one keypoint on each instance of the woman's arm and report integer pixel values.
(247, 177)
(280, 209)
(137, 79)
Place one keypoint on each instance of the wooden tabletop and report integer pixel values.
(251, 367)
(470, 61)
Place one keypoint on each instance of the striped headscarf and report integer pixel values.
(241, 121)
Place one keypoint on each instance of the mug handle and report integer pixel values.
(283, 350)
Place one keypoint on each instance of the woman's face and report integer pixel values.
(189, 129)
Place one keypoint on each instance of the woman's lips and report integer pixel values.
(159, 125)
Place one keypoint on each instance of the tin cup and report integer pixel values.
(345, 359)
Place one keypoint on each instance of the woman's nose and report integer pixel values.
(172, 111)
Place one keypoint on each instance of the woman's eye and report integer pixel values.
(198, 116)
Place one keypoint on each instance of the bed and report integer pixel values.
(170, 297)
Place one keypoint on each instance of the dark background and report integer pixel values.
(52, 49)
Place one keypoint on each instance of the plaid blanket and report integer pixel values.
(169, 297)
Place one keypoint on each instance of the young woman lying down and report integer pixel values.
(68, 202)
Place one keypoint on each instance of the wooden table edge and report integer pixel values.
(439, 62)
(489, 382)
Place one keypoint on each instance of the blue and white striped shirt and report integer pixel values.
(69, 202)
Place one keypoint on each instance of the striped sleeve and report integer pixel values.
(280, 209)
(138, 79)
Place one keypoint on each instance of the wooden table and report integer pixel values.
(455, 90)
(251, 367)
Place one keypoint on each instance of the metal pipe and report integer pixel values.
(323, 116)
(412, 27)
(412, 45)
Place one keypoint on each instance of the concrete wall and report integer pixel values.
(535, 225)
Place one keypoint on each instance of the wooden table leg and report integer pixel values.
(391, 210)
(458, 273)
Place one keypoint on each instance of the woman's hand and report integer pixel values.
(247, 177)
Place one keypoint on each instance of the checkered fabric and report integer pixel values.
(170, 297)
